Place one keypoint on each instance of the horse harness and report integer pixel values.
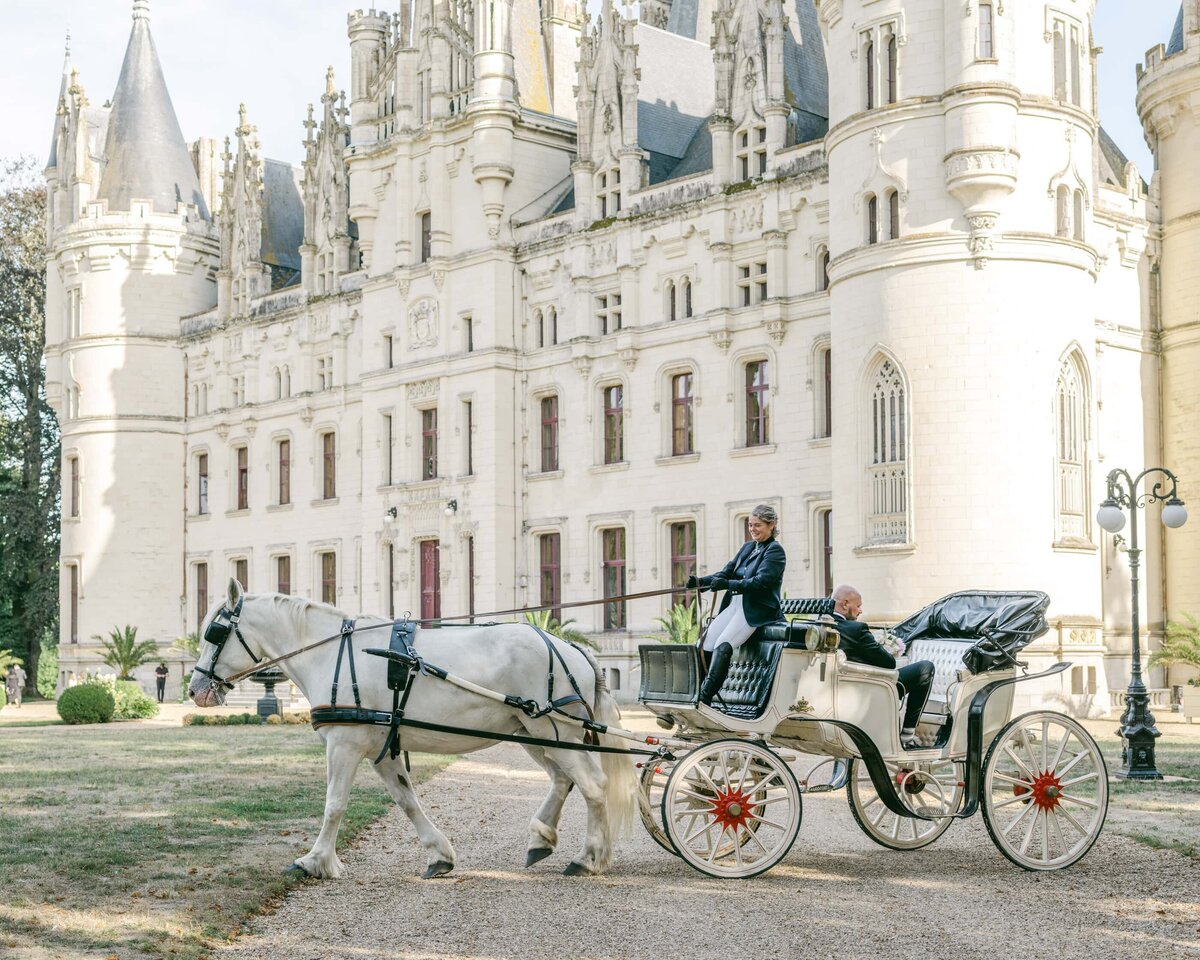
(403, 666)
(223, 623)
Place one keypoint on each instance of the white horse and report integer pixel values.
(507, 658)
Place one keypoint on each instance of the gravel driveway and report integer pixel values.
(835, 895)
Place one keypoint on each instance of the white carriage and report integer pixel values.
(730, 804)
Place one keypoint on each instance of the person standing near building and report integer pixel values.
(160, 680)
(14, 683)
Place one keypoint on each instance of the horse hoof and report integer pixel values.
(576, 870)
(439, 868)
(536, 855)
(296, 871)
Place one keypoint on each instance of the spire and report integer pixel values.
(60, 104)
(145, 153)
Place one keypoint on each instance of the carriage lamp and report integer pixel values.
(389, 514)
(1138, 731)
(451, 508)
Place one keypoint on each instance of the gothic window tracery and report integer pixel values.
(887, 456)
(1071, 460)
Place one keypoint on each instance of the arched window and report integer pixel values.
(287, 382)
(887, 457)
(1062, 211)
(541, 330)
(686, 284)
(278, 384)
(869, 62)
(822, 268)
(1071, 433)
(892, 69)
(893, 201)
(872, 218)
(1077, 214)
(671, 300)
(552, 326)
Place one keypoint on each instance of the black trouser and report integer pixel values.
(916, 679)
(161, 683)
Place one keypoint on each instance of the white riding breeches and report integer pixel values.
(729, 626)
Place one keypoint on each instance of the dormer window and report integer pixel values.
(752, 151)
(608, 192)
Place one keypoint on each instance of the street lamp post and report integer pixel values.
(1138, 731)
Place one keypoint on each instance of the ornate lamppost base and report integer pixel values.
(1138, 734)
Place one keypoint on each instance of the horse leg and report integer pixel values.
(438, 851)
(585, 771)
(341, 763)
(543, 828)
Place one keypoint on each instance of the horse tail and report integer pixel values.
(622, 785)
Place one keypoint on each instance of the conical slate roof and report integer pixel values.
(1175, 44)
(145, 154)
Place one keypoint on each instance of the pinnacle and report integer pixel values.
(141, 9)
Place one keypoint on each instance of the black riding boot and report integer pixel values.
(718, 669)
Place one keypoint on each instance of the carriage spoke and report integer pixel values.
(896, 827)
(1029, 751)
(1074, 760)
(1046, 835)
(761, 846)
(1062, 841)
(703, 828)
(769, 823)
(1018, 818)
(1062, 745)
(882, 813)
(1013, 780)
(765, 800)
(692, 795)
(743, 772)
(1015, 798)
(1045, 743)
(1067, 798)
(1029, 830)
(1083, 779)
(1070, 818)
(1020, 763)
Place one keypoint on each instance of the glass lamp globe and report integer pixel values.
(1110, 516)
(1174, 514)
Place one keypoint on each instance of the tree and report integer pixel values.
(29, 441)
(8, 660)
(124, 653)
(682, 624)
(1181, 645)
(543, 620)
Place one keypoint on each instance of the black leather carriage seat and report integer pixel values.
(747, 688)
(792, 631)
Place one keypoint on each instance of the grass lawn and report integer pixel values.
(153, 842)
(1162, 815)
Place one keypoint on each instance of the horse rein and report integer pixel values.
(220, 629)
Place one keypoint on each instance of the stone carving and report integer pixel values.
(423, 323)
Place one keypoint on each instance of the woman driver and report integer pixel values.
(752, 579)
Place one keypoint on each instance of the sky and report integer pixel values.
(272, 55)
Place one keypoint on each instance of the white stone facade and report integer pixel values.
(951, 291)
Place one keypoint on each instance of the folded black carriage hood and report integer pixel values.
(1013, 619)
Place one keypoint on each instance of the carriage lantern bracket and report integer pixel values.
(1138, 731)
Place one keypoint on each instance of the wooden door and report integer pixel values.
(431, 589)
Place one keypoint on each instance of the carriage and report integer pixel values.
(729, 803)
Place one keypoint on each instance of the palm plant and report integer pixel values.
(544, 620)
(1181, 645)
(9, 659)
(189, 645)
(681, 624)
(124, 652)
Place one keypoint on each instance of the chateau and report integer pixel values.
(554, 300)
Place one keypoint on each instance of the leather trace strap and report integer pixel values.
(345, 649)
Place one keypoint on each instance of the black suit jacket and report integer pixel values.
(758, 582)
(860, 644)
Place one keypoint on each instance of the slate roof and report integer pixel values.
(1113, 161)
(282, 217)
(1175, 44)
(145, 153)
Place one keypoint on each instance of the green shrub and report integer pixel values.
(47, 671)
(132, 702)
(86, 703)
(3, 698)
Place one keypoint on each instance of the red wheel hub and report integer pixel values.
(731, 809)
(1045, 791)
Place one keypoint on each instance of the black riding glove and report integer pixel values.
(718, 583)
(692, 582)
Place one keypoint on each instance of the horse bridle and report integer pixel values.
(224, 622)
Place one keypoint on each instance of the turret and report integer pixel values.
(124, 265)
(1168, 91)
(493, 108)
(928, 104)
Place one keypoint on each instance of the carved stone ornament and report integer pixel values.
(722, 339)
(777, 330)
(403, 285)
(423, 323)
(422, 390)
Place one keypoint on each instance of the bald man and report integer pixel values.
(861, 646)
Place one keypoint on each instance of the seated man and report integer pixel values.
(861, 646)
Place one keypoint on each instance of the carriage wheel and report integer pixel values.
(732, 808)
(933, 789)
(1045, 791)
(653, 780)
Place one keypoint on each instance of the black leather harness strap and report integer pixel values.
(346, 649)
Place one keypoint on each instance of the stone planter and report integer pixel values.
(1191, 702)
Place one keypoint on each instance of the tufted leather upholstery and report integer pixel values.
(946, 656)
(807, 606)
(747, 688)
